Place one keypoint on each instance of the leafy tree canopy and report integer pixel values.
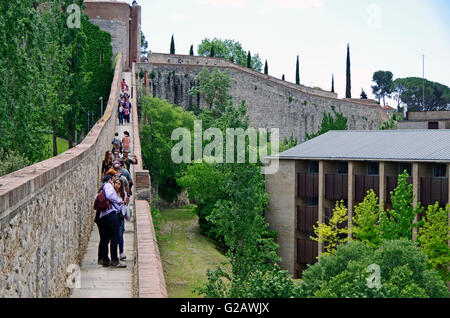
(409, 91)
(330, 123)
(353, 273)
(383, 85)
(230, 50)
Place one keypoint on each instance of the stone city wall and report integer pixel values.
(149, 274)
(46, 213)
(123, 22)
(272, 103)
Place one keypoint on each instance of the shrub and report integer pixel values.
(346, 274)
(11, 162)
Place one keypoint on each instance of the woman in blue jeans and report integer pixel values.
(118, 186)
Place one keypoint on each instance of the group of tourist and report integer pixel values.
(117, 188)
(124, 110)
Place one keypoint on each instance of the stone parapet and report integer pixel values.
(150, 275)
(46, 212)
(271, 103)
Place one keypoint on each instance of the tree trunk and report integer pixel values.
(55, 145)
(70, 129)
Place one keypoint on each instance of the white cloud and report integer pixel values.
(223, 3)
(296, 4)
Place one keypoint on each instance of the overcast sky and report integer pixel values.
(383, 35)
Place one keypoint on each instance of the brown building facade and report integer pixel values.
(438, 119)
(306, 187)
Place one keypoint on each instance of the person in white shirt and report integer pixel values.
(109, 224)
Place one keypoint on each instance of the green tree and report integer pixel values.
(398, 222)
(389, 124)
(384, 85)
(297, 72)
(409, 91)
(288, 143)
(213, 89)
(12, 161)
(334, 233)
(159, 119)
(231, 199)
(363, 94)
(366, 220)
(172, 45)
(144, 45)
(191, 50)
(330, 123)
(347, 274)
(230, 50)
(348, 82)
(249, 60)
(282, 78)
(433, 237)
(332, 83)
(212, 54)
(266, 68)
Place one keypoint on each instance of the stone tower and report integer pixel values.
(123, 22)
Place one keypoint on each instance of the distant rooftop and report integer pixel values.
(376, 145)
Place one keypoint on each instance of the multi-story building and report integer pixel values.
(436, 119)
(344, 165)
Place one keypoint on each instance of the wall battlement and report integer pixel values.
(272, 103)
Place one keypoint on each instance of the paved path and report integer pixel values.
(105, 282)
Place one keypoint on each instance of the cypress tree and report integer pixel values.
(191, 50)
(172, 46)
(297, 73)
(249, 60)
(282, 78)
(212, 53)
(332, 83)
(348, 87)
(266, 69)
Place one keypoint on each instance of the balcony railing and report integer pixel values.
(307, 251)
(432, 190)
(336, 186)
(308, 185)
(306, 218)
(364, 183)
(391, 184)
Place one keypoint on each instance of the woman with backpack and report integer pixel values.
(120, 190)
(107, 221)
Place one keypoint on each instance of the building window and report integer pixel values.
(439, 170)
(404, 166)
(313, 201)
(372, 168)
(433, 125)
(313, 167)
(342, 167)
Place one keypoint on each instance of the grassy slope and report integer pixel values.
(185, 253)
(61, 143)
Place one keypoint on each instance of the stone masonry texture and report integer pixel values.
(271, 103)
(46, 212)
